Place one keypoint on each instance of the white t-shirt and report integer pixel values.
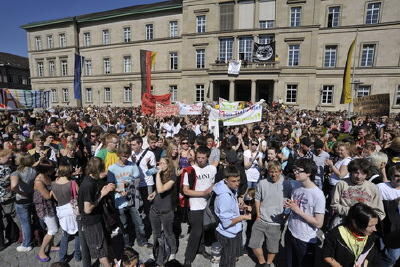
(310, 201)
(204, 179)
(334, 179)
(253, 173)
(388, 192)
(147, 158)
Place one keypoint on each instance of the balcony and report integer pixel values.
(270, 66)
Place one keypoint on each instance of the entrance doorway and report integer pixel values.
(265, 90)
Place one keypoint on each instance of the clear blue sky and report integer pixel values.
(14, 13)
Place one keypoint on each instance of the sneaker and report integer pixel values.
(24, 249)
(146, 245)
(171, 257)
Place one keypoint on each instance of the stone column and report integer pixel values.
(231, 90)
(275, 90)
(253, 90)
(211, 91)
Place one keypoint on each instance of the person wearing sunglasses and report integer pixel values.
(307, 206)
(253, 163)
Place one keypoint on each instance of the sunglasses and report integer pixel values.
(184, 143)
(298, 170)
(254, 144)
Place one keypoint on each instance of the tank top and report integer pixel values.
(44, 207)
(62, 192)
(184, 162)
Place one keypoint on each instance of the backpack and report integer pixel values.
(161, 250)
(210, 219)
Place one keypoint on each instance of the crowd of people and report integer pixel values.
(299, 188)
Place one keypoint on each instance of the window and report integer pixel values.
(149, 32)
(173, 60)
(295, 16)
(173, 89)
(265, 39)
(127, 94)
(333, 16)
(107, 94)
(89, 95)
(86, 39)
(40, 69)
(52, 68)
(397, 96)
(173, 29)
(226, 18)
(127, 64)
(201, 24)
(65, 92)
(294, 52)
(291, 93)
(225, 49)
(265, 24)
(127, 34)
(63, 40)
(54, 96)
(199, 92)
(38, 43)
(246, 48)
(106, 37)
(88, 67)
(363, 90)
(200, 58)
(327, 94)
(107, 66)
(373, 10)
(50, 42)
(330, 56)
(368, 53)
(64, 68)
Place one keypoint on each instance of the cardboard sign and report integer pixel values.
(166, 110)
(377, 105)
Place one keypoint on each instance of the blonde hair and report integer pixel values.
(5, 152)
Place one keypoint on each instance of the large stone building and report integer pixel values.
(14, 71)
(195, 39)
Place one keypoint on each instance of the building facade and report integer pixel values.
(194, 41)
(14, 71)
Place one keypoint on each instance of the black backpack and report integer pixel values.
(210, 219)
(161, 250)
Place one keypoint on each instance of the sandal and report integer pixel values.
(47, 259)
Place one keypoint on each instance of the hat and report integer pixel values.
(306, 141)
(395, 145)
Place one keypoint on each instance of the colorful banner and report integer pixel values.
(225, 105)
(23, 99)
(251, 114)
(166, 110)
(346, 96)
(149, 102)
(376, 105)
(193, 109)
(147, 58)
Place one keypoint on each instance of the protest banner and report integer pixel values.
(251, 114)
(234, 67)
(225, 105)
(149, 102)
(24, 99)
(378, 105)
(166, 110)
(193, 109)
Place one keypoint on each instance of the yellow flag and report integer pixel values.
(153, 58)
(346, 92)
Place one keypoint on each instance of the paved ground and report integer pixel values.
(10, 257)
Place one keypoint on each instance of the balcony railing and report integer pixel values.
(246, 65)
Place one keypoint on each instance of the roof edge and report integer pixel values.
(46, 23)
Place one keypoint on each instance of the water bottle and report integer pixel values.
(151, 171)
(216, 249)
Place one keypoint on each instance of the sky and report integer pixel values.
(14, 13)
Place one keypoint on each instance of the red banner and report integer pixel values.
(149, 102)
(166, 110)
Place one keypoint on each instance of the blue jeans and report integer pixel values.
(137, 222)
(252, 184)
(24, 212)
(390, 257)
(64, 247)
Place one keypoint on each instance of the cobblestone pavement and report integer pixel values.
(10, 257)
